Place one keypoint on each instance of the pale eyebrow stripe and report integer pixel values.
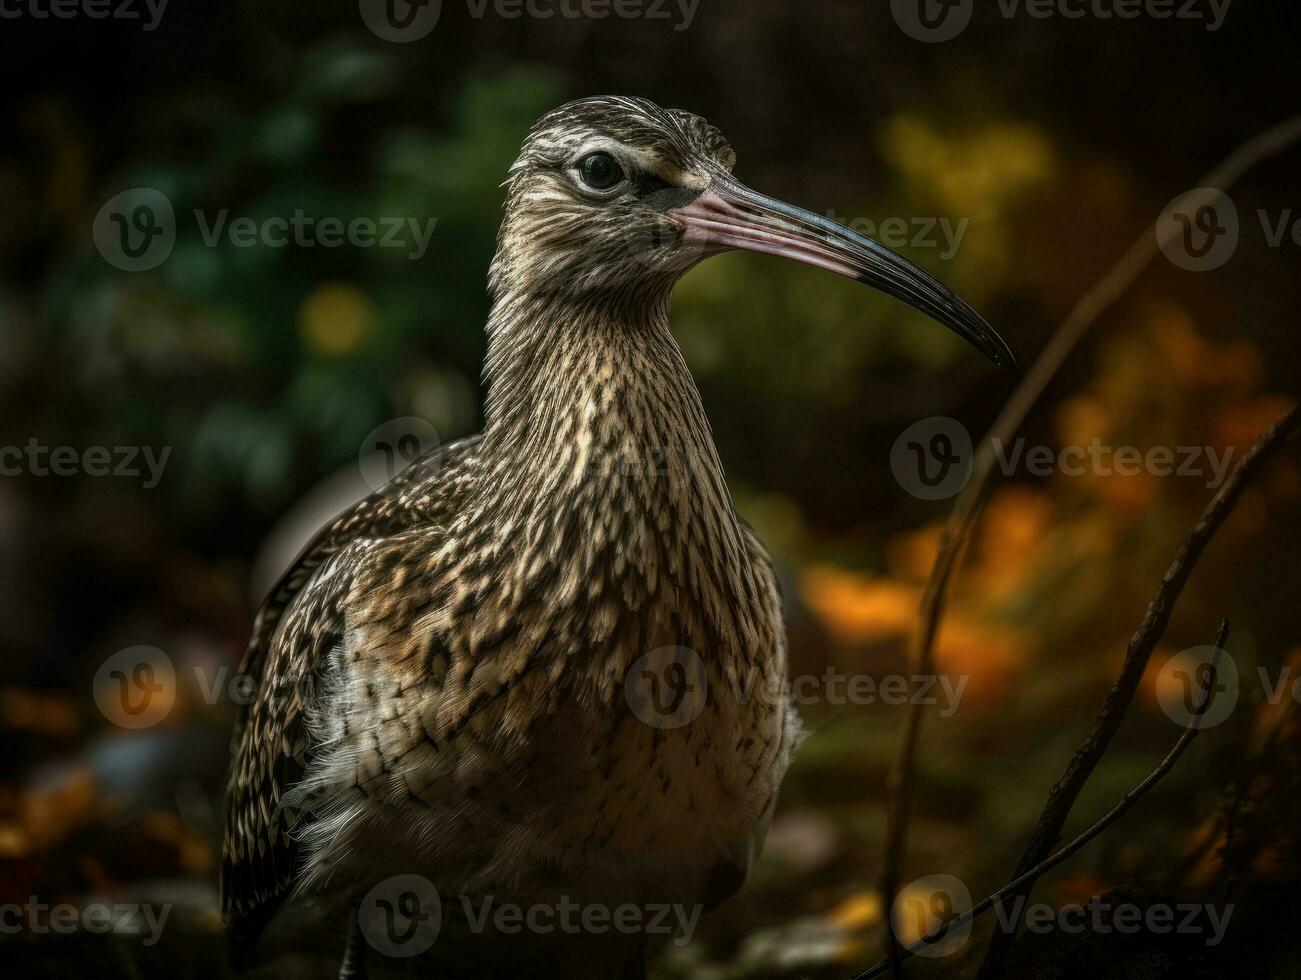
(566, 149)
(645, 161)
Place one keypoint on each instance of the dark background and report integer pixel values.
(1059, 141)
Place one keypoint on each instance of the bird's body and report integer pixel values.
(468, 712)
(446, 682)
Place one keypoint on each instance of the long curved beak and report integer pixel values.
(728, 215)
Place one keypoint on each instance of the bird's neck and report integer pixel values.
(593, 415)
(566, 377)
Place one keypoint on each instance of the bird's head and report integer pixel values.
(612, 199)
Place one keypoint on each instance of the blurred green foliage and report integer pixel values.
(267, 366)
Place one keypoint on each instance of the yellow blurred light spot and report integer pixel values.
(973, 173)
(859, 911)
(13, 842)
(1082, 419)
(858, 608)
(988, 657)
(1161, 686)
(1182, 350)
(911, 555)
(1015, 527)
(1239, 425)
(335, 319)
(49, 715)
(50, 813)
(850, 950)
(1127, 493)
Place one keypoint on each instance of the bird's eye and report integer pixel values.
(600, 171)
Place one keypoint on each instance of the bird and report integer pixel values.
(465, 677)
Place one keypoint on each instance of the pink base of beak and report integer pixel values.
(720, 226)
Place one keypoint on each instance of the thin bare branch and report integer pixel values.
(1062, 796)
(1115, 813)
(966, 511)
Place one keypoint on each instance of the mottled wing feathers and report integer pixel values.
(299, 623)
(259, 854)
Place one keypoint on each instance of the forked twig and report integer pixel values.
(1115, 813)
(966, 511)
(1062, 796)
